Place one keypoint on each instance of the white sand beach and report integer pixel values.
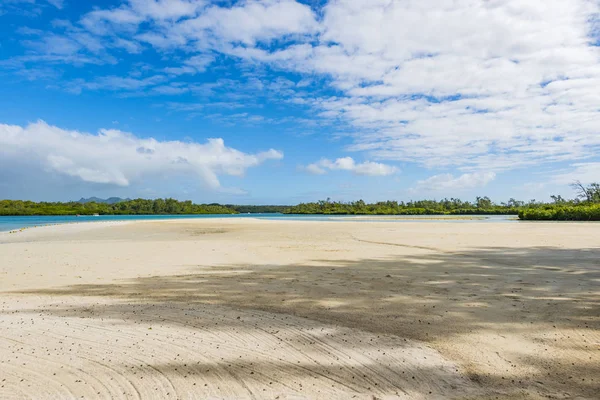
(253, 309)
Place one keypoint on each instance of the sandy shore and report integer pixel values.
(247, 308)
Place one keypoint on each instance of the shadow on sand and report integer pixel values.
(543, 294)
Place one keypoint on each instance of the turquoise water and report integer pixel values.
(12, 223)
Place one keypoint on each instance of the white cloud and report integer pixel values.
(130, 46)
(478, 85)
(247, 22)
(127, 16)
(166, 9)
(314, 169)
(584, 172)
(57, 3)
(495, 54)
(118, 158)
(252, 21)
(449, 182)
(368, 168)
(192, 66)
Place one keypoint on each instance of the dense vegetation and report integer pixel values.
(137, 206)
(258, 209)
(550, 212)
(585, 207)
(482, 205)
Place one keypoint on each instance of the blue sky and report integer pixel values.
(282, 101)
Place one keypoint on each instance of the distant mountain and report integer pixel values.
(110, 200)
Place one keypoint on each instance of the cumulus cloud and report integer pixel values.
(477, 85)
(449, 182)
(119, 158)
(368, 168)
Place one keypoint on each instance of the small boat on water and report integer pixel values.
(96, 215)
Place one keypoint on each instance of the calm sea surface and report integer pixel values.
(11, 223)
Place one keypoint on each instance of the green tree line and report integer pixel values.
(562, 213)
(130, 207)
(584, 207)
(257, 209)
(482, 205)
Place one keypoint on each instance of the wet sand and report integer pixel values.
(295, 309)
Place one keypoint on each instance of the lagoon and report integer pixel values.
(8, 223)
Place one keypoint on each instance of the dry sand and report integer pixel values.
(201, 309)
